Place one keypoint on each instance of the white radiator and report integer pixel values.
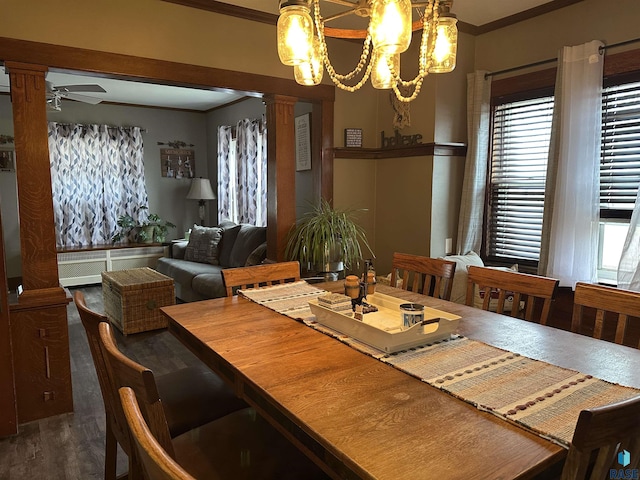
(85, 267)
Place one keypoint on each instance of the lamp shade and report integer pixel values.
(201, 190)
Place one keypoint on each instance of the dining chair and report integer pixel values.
(193, 395)
(522, 287)
(241, 445)
(260, 275)
(606, 438)
(425, 275)
(156, 462)
(615, 301)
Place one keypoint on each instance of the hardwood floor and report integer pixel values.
(71, 446)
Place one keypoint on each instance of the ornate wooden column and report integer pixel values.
(325, 111)
(8, 412)
(281, 173)
(39, 318)
(37, 233)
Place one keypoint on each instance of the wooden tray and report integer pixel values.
(383, 329)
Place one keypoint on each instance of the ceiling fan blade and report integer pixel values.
(82, 98)
(80, 88)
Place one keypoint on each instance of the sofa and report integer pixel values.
(196, 265)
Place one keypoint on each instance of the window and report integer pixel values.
(619, 169)
(517, 176)
(519, 148)
(242, 172)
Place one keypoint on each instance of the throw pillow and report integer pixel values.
(203, 245)
(459, 288)
(248, 239)
(229, 235)
(257, 256)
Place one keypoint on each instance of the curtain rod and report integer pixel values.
(143, 130)
(551, 60)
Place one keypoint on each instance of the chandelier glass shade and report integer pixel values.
(302, 42)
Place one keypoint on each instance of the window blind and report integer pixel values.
(620, 153)
(520, 147)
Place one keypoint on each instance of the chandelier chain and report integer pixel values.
(436, 52)
(336, 77)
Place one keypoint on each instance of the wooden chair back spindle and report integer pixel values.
(127, 373)
(603, 432)
(425, 275)
(616, 301)
(260, 275)
(523, 287)
(157, 463)
(115, 431)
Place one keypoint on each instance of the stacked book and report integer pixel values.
(336, 302)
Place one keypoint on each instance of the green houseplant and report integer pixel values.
(327, 239)
(153, 229)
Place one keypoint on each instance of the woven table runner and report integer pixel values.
(536, 395)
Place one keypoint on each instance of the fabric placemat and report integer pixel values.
(541, 397)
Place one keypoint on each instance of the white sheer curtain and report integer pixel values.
(242, 172)
(475, 173)
(97, 174)
(570, 231)
(629, 267)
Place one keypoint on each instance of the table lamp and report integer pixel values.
(201, 190)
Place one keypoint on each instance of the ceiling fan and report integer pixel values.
(55, 94)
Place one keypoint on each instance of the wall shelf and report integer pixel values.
(422, 149)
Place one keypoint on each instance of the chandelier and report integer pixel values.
(302, 33)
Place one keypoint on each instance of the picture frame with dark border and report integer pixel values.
(303, 142)
(7, 160)
(353, 137)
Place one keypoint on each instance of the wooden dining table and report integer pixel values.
(358, 417)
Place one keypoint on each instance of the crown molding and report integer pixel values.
(271, 19)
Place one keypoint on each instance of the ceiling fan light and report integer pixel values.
(381, 76)
(295, 32)
(446, 47)
(390, 25)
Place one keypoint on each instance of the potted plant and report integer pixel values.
(153, 229)
(327, 239)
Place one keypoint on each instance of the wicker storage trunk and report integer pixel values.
(132, 298)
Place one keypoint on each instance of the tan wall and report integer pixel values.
(148, 28)
(540, 38)
(154, 29)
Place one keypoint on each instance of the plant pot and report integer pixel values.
(327, 267)
(145, 234)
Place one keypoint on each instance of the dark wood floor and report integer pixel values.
(71, 446)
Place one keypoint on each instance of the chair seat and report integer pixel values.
(193, 396)
(241, 446)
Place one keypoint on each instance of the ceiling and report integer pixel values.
(476, 13)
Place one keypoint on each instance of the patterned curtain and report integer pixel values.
(475, 173)
(242, 172)
(569, 246)
(226, 187)
(97, 174)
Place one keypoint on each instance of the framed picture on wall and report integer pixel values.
(178, 162)
(303, 142)
(7, 160)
